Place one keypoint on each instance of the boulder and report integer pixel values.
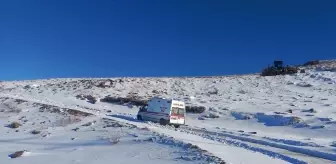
(17, 154)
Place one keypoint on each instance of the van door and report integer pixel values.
(143, 113)
(177, 115)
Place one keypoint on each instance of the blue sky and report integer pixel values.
(109, 38)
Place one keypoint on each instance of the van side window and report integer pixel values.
(178, 111)
(181, 111)
(143, 109)
(174, 111)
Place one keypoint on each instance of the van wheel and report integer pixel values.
(163, 121)
(176, 126)
(139, 117)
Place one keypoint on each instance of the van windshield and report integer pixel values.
(177, 111)
(143, 109)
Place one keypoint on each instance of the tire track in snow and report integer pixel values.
(236, 143)
(241, 142)
(256, 149)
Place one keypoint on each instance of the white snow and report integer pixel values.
(249, 119)
(98, 142)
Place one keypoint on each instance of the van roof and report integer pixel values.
(162, 98)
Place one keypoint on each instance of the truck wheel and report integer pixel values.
(163, 121)
(139, 117)
(176, 126)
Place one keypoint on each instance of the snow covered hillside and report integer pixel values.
(278, 119)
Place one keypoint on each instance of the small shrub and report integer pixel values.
(106, 84)
(14, 125)
(115, 136)
(312, 110)
(333, 144)
(151, 139)
(114, 125)
(155, 92)
(225, 108)
(19, 101)
(82, 97)
(120, 100)
(16, 110)
(201, 118)
(242, 91)
(213, 109)
(17, 154)
(318, 127)
(211, 115)
(191, 146)
(36, 132)
(91, 99)
(12, 108)
(145, 128)
(88, 124)
(303, 84)
(290, 83)
(313, 62)
(213, 91)
(66, 121)
(195, 109)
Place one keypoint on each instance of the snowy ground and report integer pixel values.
(86, 139)
(282, 119)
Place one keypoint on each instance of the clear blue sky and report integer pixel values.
(109, 38)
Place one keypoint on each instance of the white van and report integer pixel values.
(164, 111)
